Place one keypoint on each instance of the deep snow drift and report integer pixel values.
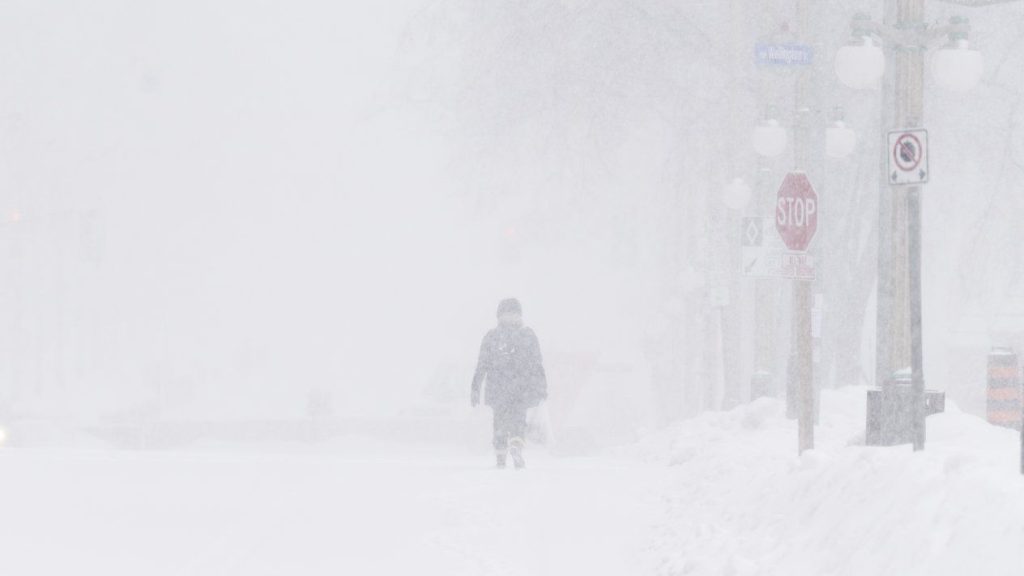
(741, 502)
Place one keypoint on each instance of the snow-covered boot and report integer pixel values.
(501, 457)
(516, 449)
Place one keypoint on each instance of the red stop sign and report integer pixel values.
(796, 211)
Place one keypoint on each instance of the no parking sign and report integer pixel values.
(908, 157)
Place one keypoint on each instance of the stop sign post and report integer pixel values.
(796, 220)
(796, 211)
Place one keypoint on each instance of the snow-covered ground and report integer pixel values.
(724, 493)
(360, 507)
(741, 501)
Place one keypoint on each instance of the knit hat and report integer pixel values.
(509, 305)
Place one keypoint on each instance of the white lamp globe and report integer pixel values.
(769, 139)
(736, 194)
(861, 64)
(840, 141)
(957, 67)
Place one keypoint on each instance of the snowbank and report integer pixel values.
(742, 502)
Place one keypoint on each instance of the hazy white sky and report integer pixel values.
(226, 203)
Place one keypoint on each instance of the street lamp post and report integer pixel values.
(803, 291)
(769, 140)
(735, 196)
(906, 39)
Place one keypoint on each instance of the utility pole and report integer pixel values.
(731, 312)
(902, 107)
(902, 323)
(766, 302)
(910, 112)
(899, 321)
(802, 289)
(885, 363)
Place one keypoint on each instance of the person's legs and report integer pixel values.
(501, 433)
(517, 433)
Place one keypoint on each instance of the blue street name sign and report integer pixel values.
(783, 54)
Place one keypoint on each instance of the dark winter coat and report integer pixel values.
(511, 363)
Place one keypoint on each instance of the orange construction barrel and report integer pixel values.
(1004, 394)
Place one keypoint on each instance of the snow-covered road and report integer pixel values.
(721, 494)
(363, 508)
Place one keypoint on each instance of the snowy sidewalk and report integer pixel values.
(742, 503)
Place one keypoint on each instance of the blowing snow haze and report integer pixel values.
(212, 208)
(218, 206)
(248, 251)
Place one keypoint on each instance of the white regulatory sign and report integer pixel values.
(765, 256)
(908, 157)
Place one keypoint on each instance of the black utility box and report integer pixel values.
(891, 415)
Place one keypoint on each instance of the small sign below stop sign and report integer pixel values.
(796, 211)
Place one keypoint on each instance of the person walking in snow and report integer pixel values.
(511, 363)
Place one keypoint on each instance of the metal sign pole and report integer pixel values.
(911, 106)
(802, 290)
(805, 368)
(885, 363)
(916, 343)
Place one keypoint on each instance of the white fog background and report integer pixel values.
(212, 208)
